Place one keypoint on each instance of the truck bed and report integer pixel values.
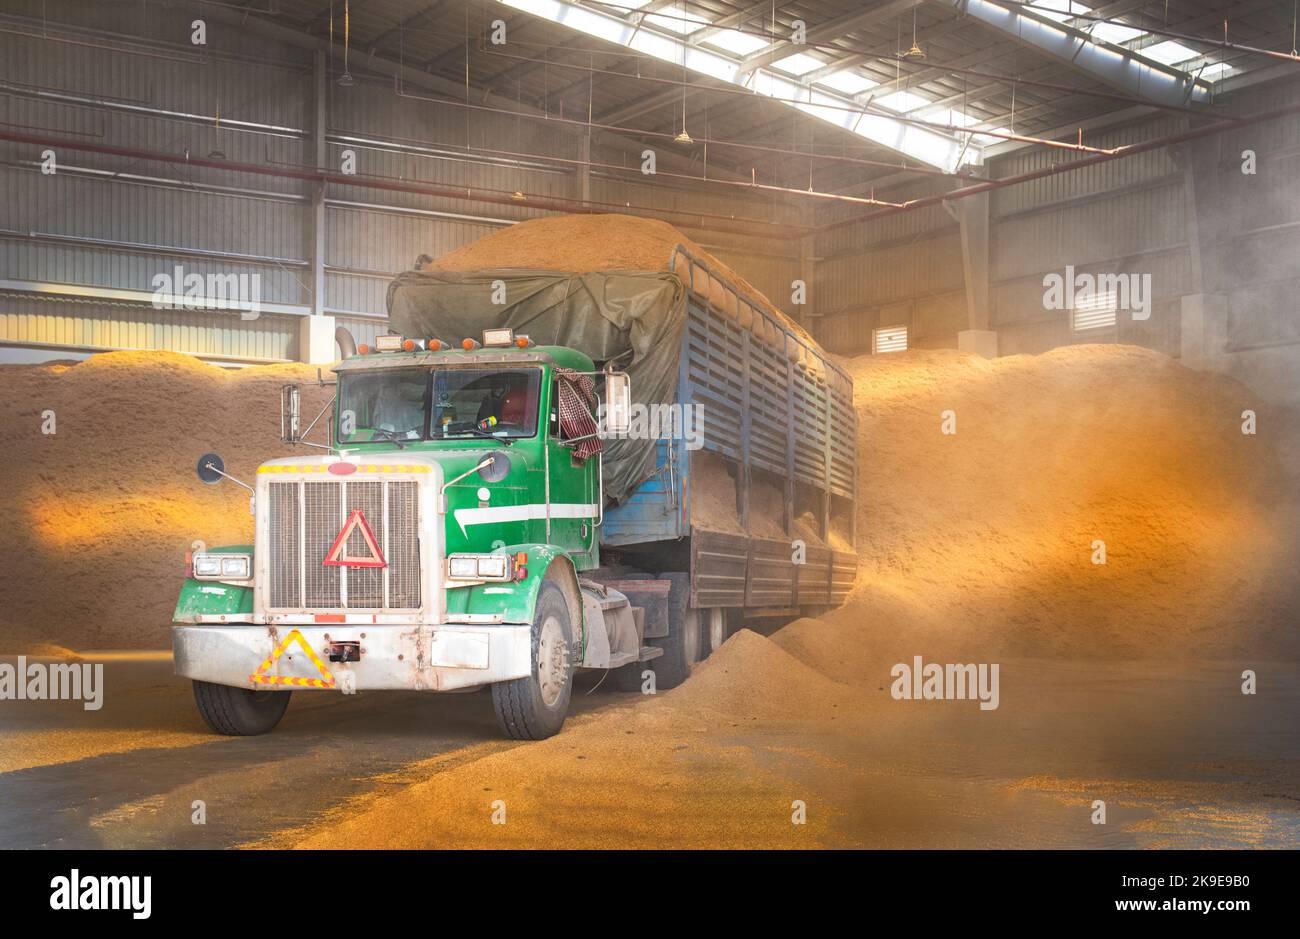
(772, 403)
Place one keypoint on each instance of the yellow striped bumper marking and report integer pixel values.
(261, 678)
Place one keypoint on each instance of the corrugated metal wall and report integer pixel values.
(1131, 215)
(901, 270)
(105, 226)
(1123, 216)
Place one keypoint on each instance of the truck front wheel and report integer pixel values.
(240, 712)
(534, 707)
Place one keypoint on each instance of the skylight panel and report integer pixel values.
(736, 42)
(798, 64)
(949, 116)
(847, 82)
(677, 20)
(1214, 71)
(835, 106)
(1114, 32)
(902, 101)
(1169, 52)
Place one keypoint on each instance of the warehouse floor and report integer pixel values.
(1180, 758)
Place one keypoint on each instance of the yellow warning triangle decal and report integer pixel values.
(260, 677)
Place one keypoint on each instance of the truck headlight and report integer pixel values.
(479, 566)
(222, 566)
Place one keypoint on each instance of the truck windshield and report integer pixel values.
(393, 404)
(477, 402)
(384, 405)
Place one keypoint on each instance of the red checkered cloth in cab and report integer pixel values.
(577, 400)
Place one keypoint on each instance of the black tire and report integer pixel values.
(629, 677)
(521, 704)
(682, 644)
(240, 712)
(706, 632)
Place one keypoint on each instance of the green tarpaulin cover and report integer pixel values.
(634, 317)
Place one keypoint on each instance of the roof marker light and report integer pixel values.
(469, 345)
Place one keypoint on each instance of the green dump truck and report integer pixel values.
(490, 507)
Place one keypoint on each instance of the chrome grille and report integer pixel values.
(304, 519)
(285, 530)
(366, 584)
(403, 553)
(323, 519)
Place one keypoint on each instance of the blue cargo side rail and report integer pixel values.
(774, 406)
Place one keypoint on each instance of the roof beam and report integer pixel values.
(829, 30)
(1120, 68)
(248, 18)
(378, 42)
(936, 149)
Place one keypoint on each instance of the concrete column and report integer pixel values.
(316, 192)
(1204, 330)
(972, 215)
(583, 181)
(316, 340)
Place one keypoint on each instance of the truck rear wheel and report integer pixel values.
(534, 707)
(682, 644)
(240, 712)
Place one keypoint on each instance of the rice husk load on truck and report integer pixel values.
(613, 287)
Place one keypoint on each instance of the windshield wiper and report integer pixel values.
(390, 435)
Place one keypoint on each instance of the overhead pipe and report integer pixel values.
(1118, 153)
(639, 132)
(466, 194)
(1165, 31)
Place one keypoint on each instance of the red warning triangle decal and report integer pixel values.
(338, 556)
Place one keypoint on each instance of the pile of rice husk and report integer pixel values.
(983, 540)
(99, 515)
(974, 546)
(979, 541)
(582, 244)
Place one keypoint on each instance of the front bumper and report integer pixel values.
(397, 657)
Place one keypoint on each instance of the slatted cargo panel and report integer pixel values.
(306, 517)
(715, 356)
(814, 578)
(843, 430)
(732, 570)
(718, 562)
(769, 403)
(844, 570)
(771, 574)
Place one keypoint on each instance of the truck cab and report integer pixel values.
(443, 539)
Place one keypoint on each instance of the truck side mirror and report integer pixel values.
(618, 403)
(211, 468)
(290, 422)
